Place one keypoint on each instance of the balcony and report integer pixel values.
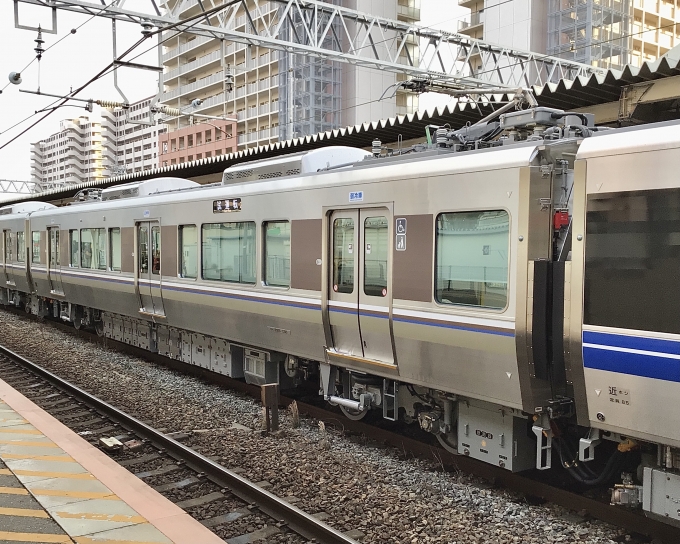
(214, 79)
(256, 135)
(471, 24)
(190, 66)
(183, 48)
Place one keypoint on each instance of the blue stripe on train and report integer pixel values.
(657, 365)
(632, 342)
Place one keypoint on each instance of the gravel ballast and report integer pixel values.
(352, 486)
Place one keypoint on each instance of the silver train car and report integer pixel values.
(511, 289)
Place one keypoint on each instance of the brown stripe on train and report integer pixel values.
(64, 249)
(305, 249)
(412, 274)
(127, 244)
(43, 247)
(169, 250)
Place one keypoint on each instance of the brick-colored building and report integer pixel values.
(199, 141)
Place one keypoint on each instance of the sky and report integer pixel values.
(80, 56)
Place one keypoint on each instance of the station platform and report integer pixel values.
(55, 487)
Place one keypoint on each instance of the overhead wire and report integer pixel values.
(71, 33)
(107, 70)
(110, 68)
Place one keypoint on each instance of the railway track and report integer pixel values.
(642, 528)
(211, 493)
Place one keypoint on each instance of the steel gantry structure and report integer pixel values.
(341, 34)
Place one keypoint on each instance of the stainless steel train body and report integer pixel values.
(488, 294)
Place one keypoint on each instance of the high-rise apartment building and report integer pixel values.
(137, 146)
(604, 33)
(84, 149)
(90, 148)
(277, 95)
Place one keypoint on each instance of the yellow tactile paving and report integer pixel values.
(142, 533)
(13, 491)
(23, 512)
(118, 518)
(87, 509)
(34, 537)
(20, 431)
(88, 540)
(59, 458)
(28, 443)
(108, 496)
(43, 474)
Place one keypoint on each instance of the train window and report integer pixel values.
(472, 258)
(114, 249)
(188, 251)
(74, 243)
(376, 242)
(143, 237)
(93, 249)
(343, 255)
(632, 258)
(228, 252)
(21, 246)
(277, 253)
(155, 250)
(8, 246)
(35, 246)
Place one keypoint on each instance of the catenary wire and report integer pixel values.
(71, 33)
(110, 68)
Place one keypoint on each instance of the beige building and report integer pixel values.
(604, 33)
(277, 95)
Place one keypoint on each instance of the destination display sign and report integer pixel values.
(227, 205)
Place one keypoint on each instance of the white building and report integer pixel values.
(136, 144)
(278, 95)
(88, 149)
(84, 149)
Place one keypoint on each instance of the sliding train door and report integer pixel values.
(54, 260)
(7, 257)
(149, 268)
(359, 300)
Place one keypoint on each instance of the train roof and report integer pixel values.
(624, 141)
(374, 171)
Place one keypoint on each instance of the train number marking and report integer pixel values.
(617, 395)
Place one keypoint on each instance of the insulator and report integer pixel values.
(441, 138)
(111, 104)
(377, 147)
(167, 110)
(39, 49)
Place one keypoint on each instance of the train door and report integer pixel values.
(359, 301)
(6, 255)
(149, 268)
(54, 260)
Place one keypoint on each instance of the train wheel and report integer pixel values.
(449, 442)
(354, 415)
(99, 328)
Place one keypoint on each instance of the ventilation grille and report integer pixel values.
(270, 175)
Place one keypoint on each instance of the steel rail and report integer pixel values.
(298, 521)
(630, 520)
